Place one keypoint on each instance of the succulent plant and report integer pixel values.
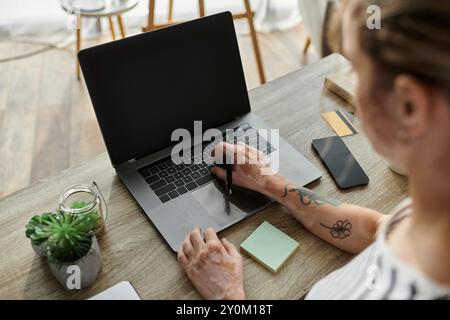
(36, 228)
(70, 236)
(67, 237)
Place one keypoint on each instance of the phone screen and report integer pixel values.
(339, 161)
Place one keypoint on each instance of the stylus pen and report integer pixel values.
(229, 177)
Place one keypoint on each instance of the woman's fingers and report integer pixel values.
(187, 247)
(216, 270)
(220, 150)
(182, 256)
(237, 153)
(219, 172)
(196, 238)
(226, 153)
(231, 249)
(210, 235)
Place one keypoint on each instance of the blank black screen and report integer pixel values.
(340, 162)
(143, 87)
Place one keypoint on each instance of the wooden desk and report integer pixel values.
(133, 250)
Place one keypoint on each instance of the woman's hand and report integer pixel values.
(251, 169)
(214, 266)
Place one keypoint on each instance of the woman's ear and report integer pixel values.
(414, 108)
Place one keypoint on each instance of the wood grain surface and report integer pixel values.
(133, 250)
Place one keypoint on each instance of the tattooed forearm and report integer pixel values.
(340, 230)
(307, 196)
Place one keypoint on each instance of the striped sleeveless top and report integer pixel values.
(378, 273)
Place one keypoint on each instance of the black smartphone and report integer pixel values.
(339, 161)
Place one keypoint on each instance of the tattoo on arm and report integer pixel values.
(307, 196)
(339, 230)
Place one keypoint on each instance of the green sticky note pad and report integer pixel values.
(269, 246)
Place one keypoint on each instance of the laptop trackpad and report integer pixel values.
(225, 209)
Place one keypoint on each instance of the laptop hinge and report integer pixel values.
(131, 160)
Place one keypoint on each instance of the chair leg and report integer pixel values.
(201, 8)
(111, 28)
(307, 45)
(170, 15)
(249, 14)
(150, 17)
(121, 28)
(78, 46)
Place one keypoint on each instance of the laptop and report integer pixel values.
(146, 86)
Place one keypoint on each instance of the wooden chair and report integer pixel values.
(111, 9)
(111, 28)
(248, 14)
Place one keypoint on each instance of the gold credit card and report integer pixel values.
(340, 124)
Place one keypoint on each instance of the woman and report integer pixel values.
(404, 106)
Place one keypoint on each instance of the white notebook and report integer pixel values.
(121, 291)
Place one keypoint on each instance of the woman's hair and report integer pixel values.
(414, 39)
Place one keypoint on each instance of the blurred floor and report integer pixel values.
(46, 119)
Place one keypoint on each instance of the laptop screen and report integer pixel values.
(145, 86)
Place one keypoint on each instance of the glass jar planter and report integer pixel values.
(85, 199)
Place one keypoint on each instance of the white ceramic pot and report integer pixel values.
(40, 249)
(81, 273)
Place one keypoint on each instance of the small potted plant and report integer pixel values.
(36, 232)
(70, 243)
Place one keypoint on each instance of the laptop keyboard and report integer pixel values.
(169, 180)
